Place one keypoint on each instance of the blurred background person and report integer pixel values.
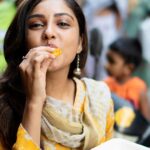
(123, 58)
(129, 92)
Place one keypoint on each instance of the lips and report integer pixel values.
(52, 45)
(57, 51)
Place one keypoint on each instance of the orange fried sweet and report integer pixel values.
(57, 52)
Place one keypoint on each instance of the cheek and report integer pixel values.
(32, 39)
(118, 69)
(71, 47)
(68, 56)
(73, 43)
(72, 38)
(113, 68)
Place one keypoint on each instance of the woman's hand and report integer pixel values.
(33, 71)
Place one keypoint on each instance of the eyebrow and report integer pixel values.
(56, 15)
(36, 16)
(64, 14)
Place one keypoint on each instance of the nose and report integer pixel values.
(49, 32)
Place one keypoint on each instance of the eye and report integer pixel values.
(36, 25)
(63, 25)
(110, 59)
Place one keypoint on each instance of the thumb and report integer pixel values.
(45, 65)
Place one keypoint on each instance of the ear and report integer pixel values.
(129, 68)
(80, 46)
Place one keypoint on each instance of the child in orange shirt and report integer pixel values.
(124, 56)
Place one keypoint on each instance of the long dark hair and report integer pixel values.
(12, 96)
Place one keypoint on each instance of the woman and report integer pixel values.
(42, 105)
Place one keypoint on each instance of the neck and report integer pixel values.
(58, 86)
(123, 80)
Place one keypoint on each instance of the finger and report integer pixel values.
(37, 62)
(29, 59)
(39, 49)
(26, 73)
(23, 65)
(45, 65)
(45, 53)
(36, 52)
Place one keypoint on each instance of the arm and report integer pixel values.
(32, 120)
(24, 141)
(33, 72)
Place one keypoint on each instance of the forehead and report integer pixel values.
(115, 55)
(53, 6)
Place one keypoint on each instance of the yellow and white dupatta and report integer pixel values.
(93, 109)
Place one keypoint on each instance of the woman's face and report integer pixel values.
(52, 23)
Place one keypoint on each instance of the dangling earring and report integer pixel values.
(77, 71)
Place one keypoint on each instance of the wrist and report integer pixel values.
(33, 106)
(35, 101)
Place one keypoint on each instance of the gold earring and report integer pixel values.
(77, 71)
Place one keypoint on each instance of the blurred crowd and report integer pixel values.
(114, 19)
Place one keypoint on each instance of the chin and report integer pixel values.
(51, 69)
